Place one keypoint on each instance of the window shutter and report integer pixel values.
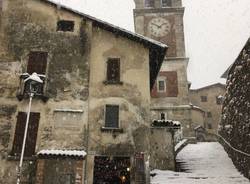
(113, 70)
(31, 135)
(37, 62)
(19, 133)
(166, 3)
(172, 84)
(112, 116)
(149, 3)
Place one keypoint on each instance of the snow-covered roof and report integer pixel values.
(143, 38)
(157, 50)
(60, 152)
(166, 123)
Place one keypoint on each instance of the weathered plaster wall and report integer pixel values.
(31, 26)
(162, 149)
(197, 117)
(209, 106)
(133, 96)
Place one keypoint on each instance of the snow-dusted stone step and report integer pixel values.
(206, 163)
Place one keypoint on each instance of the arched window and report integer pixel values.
(149, 3)
(166, 3)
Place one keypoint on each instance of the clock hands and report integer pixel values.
(156, 25)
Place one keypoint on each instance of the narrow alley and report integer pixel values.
(203, 163)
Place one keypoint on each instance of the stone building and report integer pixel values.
(235, 123)
(95, 97)
(162, 20)
(209, 99)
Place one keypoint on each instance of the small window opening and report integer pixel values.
(113, 70)
(163, 116)
(161, 85)
(112, 116)
(149, 3)
(166, 3)
(219, 100)
(203, 98)
(65, 25)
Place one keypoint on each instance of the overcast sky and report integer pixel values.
(215, 31)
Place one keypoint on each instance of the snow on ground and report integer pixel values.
(206, 163)
(179, 144)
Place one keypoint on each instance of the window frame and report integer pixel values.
(166, 4)
(59, 25)
(203, 98)
(150, 3)
(109, 80)
(219, 101)
(161, 79)
(105, 116)
(42, 75)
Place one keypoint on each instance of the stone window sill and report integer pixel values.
(110, 129)
(113, 82)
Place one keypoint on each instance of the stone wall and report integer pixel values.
(235, 112)
(211, 108)
(32, 26)
(132, 95)
(162, 149)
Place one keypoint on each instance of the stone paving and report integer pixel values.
(204, 163)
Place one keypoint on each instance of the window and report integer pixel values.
(30, 145)
(65, 25)
(209, 114)
(163, 116)
(165, 3)
(203, 98)
(113, 70)
(161, 85)
(219, 100)
(37, 62)
(149, 3)
(210, 126)
(112, 116)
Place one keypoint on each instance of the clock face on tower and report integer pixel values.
(159, 27)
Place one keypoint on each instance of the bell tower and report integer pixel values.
(162, 20)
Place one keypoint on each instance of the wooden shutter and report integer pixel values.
(113, 70)
(112, 116)
(31, 135)
(37, 62)
(19, 133)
